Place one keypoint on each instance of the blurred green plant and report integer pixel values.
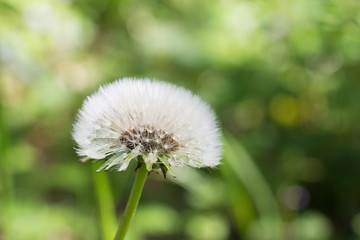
(237, 160)
(105, 203)
(6, 181)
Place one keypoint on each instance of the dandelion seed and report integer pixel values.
(157, 121)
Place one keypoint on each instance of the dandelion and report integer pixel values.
(154, 123)
(163, 124)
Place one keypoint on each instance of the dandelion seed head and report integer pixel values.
(156, 121)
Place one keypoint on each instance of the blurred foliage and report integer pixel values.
(283, 77)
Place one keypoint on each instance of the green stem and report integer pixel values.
(132, 202)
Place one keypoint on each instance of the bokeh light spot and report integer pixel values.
(297, 197)
(284, 110)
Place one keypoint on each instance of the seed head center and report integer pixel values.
(149, 140)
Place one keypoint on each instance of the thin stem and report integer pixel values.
(106, 209)
(132, 202)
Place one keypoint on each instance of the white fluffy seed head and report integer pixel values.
(157, 121)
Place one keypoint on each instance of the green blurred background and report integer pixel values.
(283, 77)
